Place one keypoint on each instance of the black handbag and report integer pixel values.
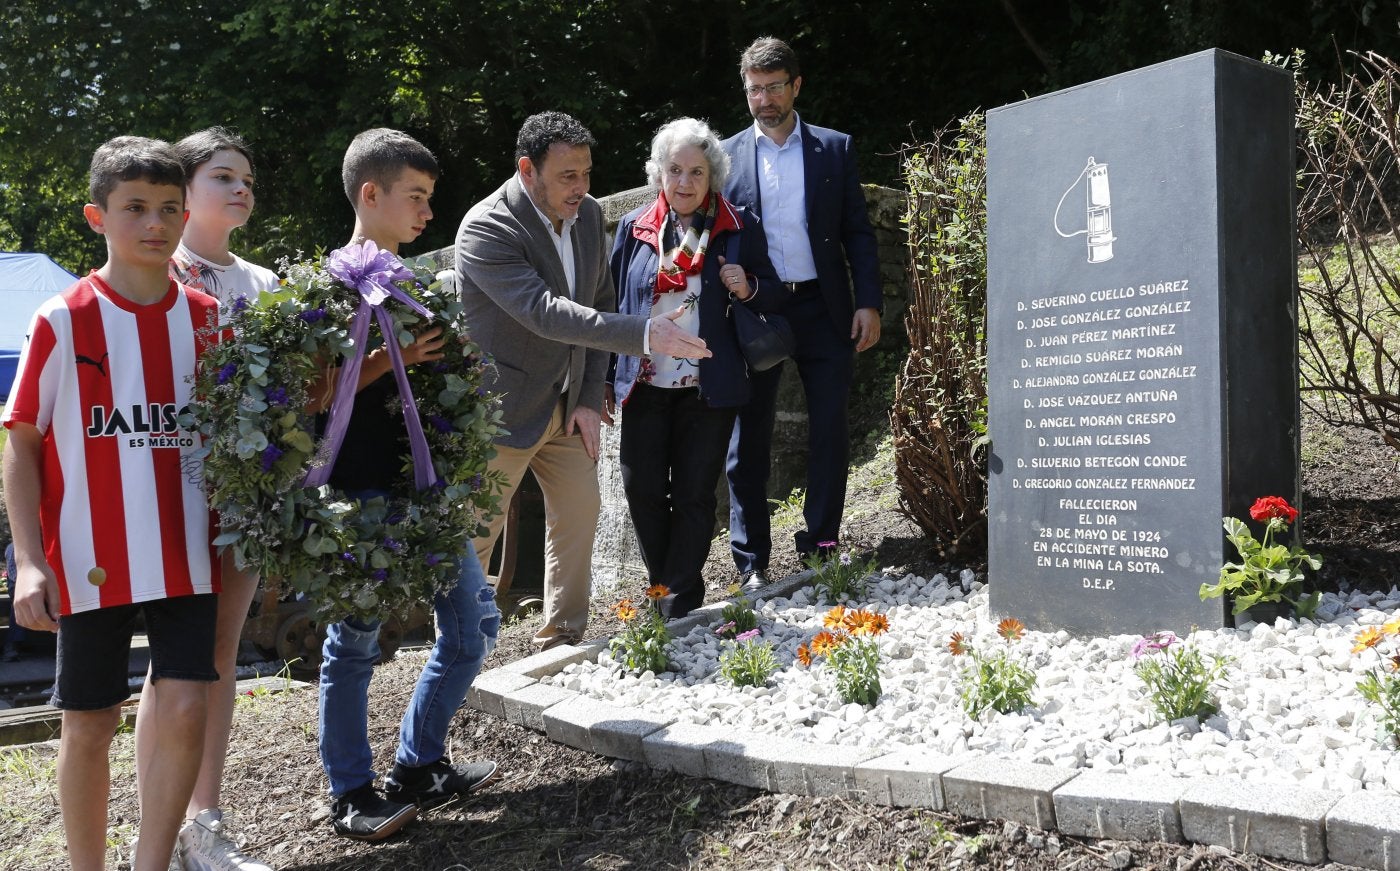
(764, 339)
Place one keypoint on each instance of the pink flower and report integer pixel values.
(1153, 643)
(724, 627)
(747, 636)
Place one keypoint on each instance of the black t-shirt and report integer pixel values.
(376, 441)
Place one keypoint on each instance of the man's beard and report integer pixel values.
(772, 121)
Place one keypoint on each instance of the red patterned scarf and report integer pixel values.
(686, 258)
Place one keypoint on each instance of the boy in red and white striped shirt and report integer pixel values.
(106, 503)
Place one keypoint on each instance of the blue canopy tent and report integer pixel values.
(26, 280)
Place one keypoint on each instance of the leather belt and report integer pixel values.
(795, 286)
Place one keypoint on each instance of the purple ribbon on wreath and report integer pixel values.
(372, 272)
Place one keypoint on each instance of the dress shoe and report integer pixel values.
(755, 580)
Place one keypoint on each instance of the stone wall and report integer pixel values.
(616, 559)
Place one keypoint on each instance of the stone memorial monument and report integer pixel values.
(1142, 335)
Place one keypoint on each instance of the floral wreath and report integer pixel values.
(265, 467)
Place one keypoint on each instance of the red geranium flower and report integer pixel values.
(1269, 507)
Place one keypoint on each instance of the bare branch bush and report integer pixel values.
(1349, 238)
(939, 415)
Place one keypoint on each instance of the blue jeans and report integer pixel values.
(467, 623)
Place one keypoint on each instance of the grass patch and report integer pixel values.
(871, 486)
(787, 513)
(1319, 444)
(1370, 300)
(31, 825)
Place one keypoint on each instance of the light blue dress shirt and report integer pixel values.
(783, 189)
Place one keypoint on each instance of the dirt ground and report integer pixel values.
(556, 807)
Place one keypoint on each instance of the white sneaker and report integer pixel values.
(203, 846)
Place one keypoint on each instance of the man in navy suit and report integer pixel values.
(802, 182)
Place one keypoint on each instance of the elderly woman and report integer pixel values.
(692, 250)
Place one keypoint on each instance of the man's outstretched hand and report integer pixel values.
(669, 339)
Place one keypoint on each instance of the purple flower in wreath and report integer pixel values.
(226, 372)
(379, 574)
(481, 391)
(432, 559)
(270, 455)
(240, 303)
(348, 556)
(440, 367)
(477, 481)
(440, 423)
(277, 395)
(312, 315)
(392, 544)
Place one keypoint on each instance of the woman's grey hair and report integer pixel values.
(680, 133)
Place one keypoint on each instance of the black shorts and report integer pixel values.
(94, 648)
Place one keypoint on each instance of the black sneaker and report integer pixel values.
(365, 815)
(431, 785)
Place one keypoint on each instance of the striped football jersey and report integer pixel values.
(122, 509)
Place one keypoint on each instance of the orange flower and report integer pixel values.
(1011, 628)
(1368, 637)
(625, 610)
(858, 622)
(835, 618)
(876, 624)
(804, 656)
(658, 591)
(957, 645)
(823, 643)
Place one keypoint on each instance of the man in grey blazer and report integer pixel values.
(532, 268)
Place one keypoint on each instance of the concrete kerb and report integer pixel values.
(1120, 806)
(1005, 789)
(1273, 819)
(1361, 830)
(1284, 821)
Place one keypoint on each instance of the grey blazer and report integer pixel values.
(519, 311)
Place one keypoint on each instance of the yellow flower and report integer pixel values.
(734, 589)
(625, 610)
(1392, 628)
(804, 656)
(1368, 637)
(835, 618)
(957, 645)
(658, 591)
(1011, 628)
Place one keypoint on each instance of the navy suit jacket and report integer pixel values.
(724, 379)
(837, 223)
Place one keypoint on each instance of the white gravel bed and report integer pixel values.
(1289, 709)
